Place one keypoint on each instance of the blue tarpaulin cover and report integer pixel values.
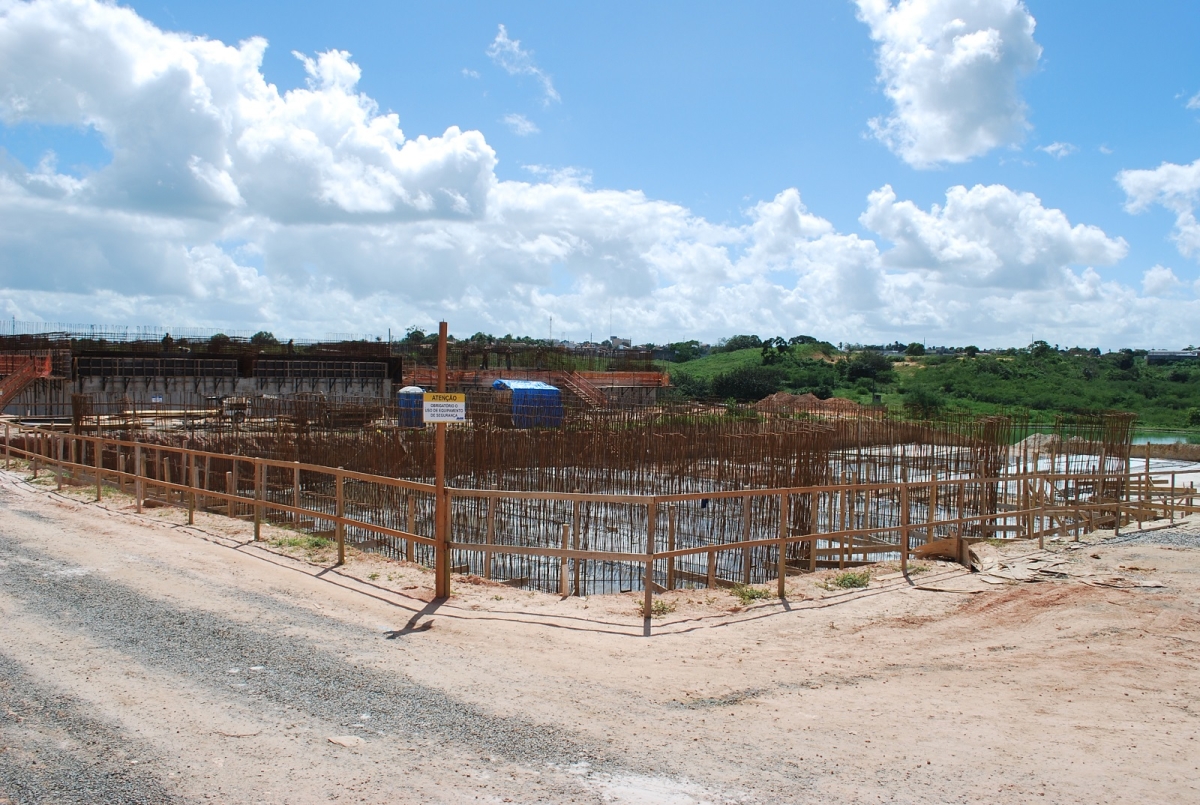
(534, 404)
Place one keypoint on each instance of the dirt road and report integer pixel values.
(145, 661)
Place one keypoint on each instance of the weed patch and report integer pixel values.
(658, 609)
(746, 593)
(849, 580)
(306, 542)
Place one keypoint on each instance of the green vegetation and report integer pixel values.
(658, 609)
(745, 593)
(1041, 379)
(306, 542)
(850, 580)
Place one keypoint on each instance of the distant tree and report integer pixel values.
(747, 384)
(971, 351)
(694, 388)
(219, 342)
(915, 349)
(738, 342)
(264, 339)
(1040, 349)
(1193, 418)
(924, 402)
(869, 364)
(774, 350)
(684, 351)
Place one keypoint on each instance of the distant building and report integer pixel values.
(620, 343)
(1171, 355)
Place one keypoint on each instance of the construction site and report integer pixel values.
(311, 585)
(572, 472)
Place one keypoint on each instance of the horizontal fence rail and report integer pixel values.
(576, 543)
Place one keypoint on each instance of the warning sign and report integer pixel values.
(445, 407)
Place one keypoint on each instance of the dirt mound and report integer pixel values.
(784, 403)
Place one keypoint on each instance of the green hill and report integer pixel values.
(1043, 380)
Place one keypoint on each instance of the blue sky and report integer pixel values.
(700, 168)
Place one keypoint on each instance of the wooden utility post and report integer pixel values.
(441, 559)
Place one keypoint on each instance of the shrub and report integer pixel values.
(658, 609)
(746, 593)
(748, 383)
(851, 579)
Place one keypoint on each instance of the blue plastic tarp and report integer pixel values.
(534, 404)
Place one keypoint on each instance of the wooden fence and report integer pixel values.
(583, 543)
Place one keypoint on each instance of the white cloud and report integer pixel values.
(950, 69)
(987, 236)
(1176, 187)
(1160, 281)
(1194, 101)
(508, 54)
(1058, 150)
(520, 125)
(231, 203)
(469, 73)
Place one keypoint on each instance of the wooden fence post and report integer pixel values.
(816, 522)
(411, 525)
(784, 519)
(564, 566)
(58, 449)
(1171, 510)
(230, 490)
(99, 468)
(747, 516)
(670, 545)
(192, 497)
(340, 527)
(711, 578)
(843, 494)
(648, 598)
(7, 447)
(137, 478)
(259, 472)
(904, 522)
(578, 564)
(489, 537)
(296, 492)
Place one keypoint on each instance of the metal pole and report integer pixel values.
(441, 559)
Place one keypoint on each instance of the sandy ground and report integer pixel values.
(142, 660)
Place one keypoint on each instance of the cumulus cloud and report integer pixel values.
(229, 202)
(1175, 187)
(1161, 281)
(987, 236)
(507, 53)
(951, 69)
(520, 125)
